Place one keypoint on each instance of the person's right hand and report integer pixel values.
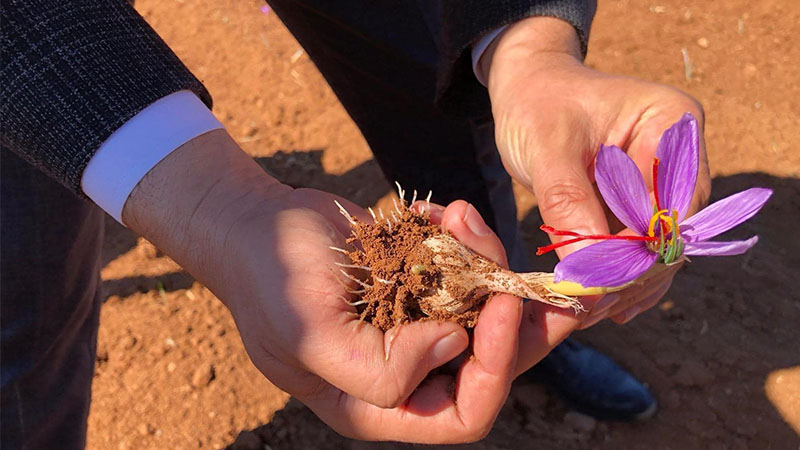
(263, 249)
(552, 113)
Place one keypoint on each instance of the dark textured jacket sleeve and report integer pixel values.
(75, 71)
(464, 22)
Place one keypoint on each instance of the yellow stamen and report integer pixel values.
(651, 230)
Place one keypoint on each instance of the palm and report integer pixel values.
(298, 297)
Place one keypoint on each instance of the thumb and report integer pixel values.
(553, 154)
(567, 200)
(566, 195)
(467, 225)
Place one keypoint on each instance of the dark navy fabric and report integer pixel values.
(50, 243)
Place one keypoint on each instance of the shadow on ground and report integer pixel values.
(363, 185)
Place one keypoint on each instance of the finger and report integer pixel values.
(436, 412)
(485, 379)
(632, 297)
(626, 316)
(467, 225)
(567, 199)
(552, 155)
(435, 210)
(600, 310)
(640, 296)
(614, 303)
(647, 303)
(634, 303)
(636, 294)
(654, 300)
(381, 369)
(542, 328)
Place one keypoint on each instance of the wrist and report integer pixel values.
(189, 202)
(530, 45)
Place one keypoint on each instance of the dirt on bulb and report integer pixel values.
(402, 273)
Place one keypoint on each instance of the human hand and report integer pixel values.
(551, 115)
(307, 341)
(263, 249)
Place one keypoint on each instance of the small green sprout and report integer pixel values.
(417, 269)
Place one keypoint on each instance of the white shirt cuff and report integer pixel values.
(141, 143)
(480, 47)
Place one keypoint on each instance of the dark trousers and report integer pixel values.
(380, 59)
(50, 244)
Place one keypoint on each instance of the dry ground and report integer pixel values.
(721, 352)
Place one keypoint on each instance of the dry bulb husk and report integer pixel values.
(402, 268)
(464, 271)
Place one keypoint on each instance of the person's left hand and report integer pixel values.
(551, 115)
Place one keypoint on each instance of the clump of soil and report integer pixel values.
(402, 277)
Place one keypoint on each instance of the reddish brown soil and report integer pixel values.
(399, 276)
(721, 352)
(391, 248)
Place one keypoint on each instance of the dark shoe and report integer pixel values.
(591, 383)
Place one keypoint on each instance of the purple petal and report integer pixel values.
(606, 264)
(679, 159)
(623, 188)
(709, 248)
(724, 214)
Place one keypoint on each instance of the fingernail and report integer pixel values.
(435, 211)
(604, 304)
(423, 206)
(446, 349)
(475, 223)
(593, 319)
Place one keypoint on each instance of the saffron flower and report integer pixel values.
(663, 232)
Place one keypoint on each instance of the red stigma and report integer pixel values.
(655, 183)
(655, 194)
(603, 237)
(579, 237)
